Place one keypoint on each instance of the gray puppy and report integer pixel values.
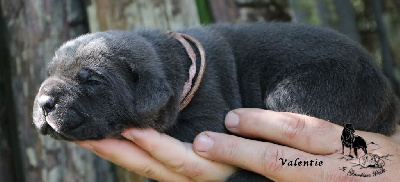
(101, 83)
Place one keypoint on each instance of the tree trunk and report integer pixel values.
(241, 11)
(224, 11)
(128, 14)
(347, 19)
(35, 29)
(301, 14)
(387, 60)
(10, 162)
(323, 12)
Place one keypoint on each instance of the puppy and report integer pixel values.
(351, 140)
(101, 83)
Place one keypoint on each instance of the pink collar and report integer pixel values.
(188, 90)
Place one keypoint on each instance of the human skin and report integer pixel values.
(215, 156)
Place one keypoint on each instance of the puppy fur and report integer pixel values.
(101, 83)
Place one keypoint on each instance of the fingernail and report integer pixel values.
(203, 143)
(85, 145)
(231, 120)
(128, 134)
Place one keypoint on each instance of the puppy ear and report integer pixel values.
(151, 90)
(151, 93)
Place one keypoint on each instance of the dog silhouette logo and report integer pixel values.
(352, 141)
(367, 165)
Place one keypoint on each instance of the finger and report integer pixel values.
(133, 158)
(302, 132)
(271, 160)
(178, 156)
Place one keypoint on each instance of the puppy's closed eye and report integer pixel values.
(90, 79)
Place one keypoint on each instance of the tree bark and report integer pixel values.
(241, 11)
(347, 23)
(35, 29)
(129, 14)
(387, 60)
(323, 12)
(224, 11)
(300, 13)
(10, 162)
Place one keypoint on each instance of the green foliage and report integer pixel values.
(204, 11)
(317, 12)
(358, 5)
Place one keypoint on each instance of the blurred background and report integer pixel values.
(31, 30)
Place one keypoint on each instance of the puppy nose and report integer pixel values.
(46, 103)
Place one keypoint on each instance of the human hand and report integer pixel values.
(163, 158)
(298, 137)
(158, 156)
